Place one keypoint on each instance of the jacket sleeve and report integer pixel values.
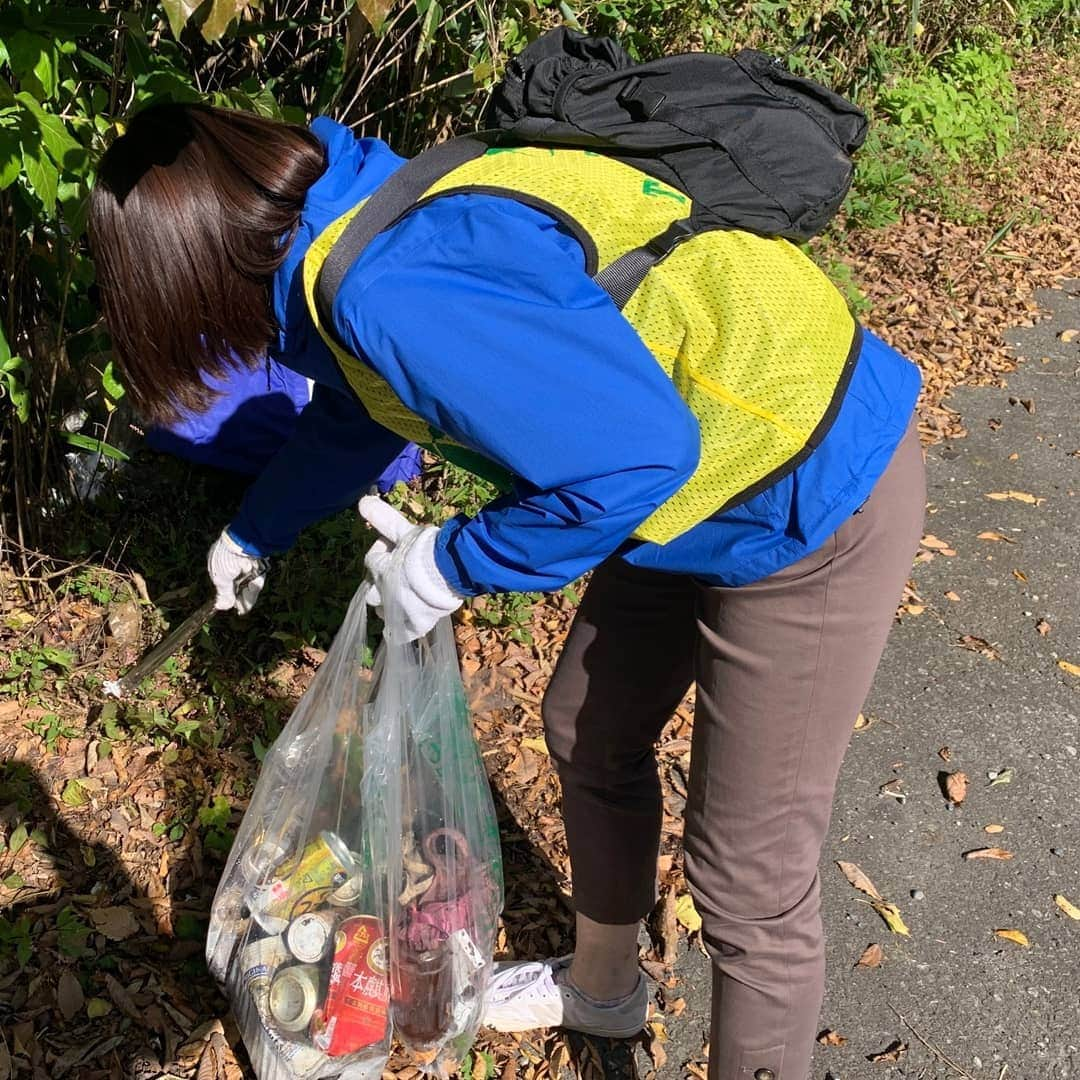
(335, 453)
(478, 313)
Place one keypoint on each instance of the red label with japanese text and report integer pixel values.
(358, 998)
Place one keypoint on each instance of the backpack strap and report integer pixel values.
(621, 278)
(390, 202)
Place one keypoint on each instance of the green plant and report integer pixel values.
(15, 940)
(51, 728)
(961, 106)
(29, 668)
(217, 834)
(72, 933)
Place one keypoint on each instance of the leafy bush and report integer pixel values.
(961, 106)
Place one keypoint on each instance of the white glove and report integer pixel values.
(422, 595)
(229, 565)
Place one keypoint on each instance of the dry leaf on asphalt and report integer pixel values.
(990, 534)
(69, 995)
(934, 543)
(862, 722)
(1071, 669)
(1043, 627)
(993, 828)
(894, 789)
(953, 596)
(890, 1055)
(1070, 909)
(945, 753)
(857, 878)
(979, 645)
(1003, 776)
(988, 853)
(893, 919)
(871, 957)
(1016, 496)
(1068, 335)
(1014, 935)
(956, 785)
(831, 1038)
(1020, 575)
(687, 914)
(116, 923)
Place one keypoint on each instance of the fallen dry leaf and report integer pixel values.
(990, 534)
(934, 543)
(914, 609)
(893, 919)
(871, 957)
(979, 645)
(1004, 776)
(993, 828)
(862, 722)
(1068, 335)
(1014, 935)
(1070, 909)
(894, 789)
(945, 754)
(857, 878)
(687, 914)
(1070, 669)
(1043, 627)
(116, 923)
(69, 995)
(988, 853)
(890, 1055)
(950, 595)
(956, 784)
(1019, 575)
(538, 743)
(831, 1038)
(1016, 496)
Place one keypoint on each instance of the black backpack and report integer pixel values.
(755, 147)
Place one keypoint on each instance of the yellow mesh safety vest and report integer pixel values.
(755, 338)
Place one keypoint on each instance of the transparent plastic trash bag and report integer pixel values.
(362, 893)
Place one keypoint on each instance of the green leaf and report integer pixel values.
(65, 150)
(110, 383)
(72, 933)
(33, 61)
(85, 442)
(375, 12)
(61, 658)
(39, 838)
(98, 1007)
(14, 881)
(178, 13)
(42, 175)
(10, 158)
(18, 839)
(73, 794)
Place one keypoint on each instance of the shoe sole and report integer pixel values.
(608, 1033)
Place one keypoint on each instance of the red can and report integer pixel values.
(358, 998)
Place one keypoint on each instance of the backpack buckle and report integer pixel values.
(665, 242)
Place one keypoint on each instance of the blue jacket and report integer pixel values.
(477, 311)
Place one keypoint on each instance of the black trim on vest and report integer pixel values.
(816, 436)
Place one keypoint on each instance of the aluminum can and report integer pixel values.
(259, 961)
(358, 999)
(294, 994)
(302, 1061)
(303, 884)
(310, 936)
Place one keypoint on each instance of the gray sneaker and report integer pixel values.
(533, 994)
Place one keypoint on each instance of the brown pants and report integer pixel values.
(782, 668)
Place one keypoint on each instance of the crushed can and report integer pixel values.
(302, 884)
(357, 1003)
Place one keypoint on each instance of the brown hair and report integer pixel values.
(193, 210)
